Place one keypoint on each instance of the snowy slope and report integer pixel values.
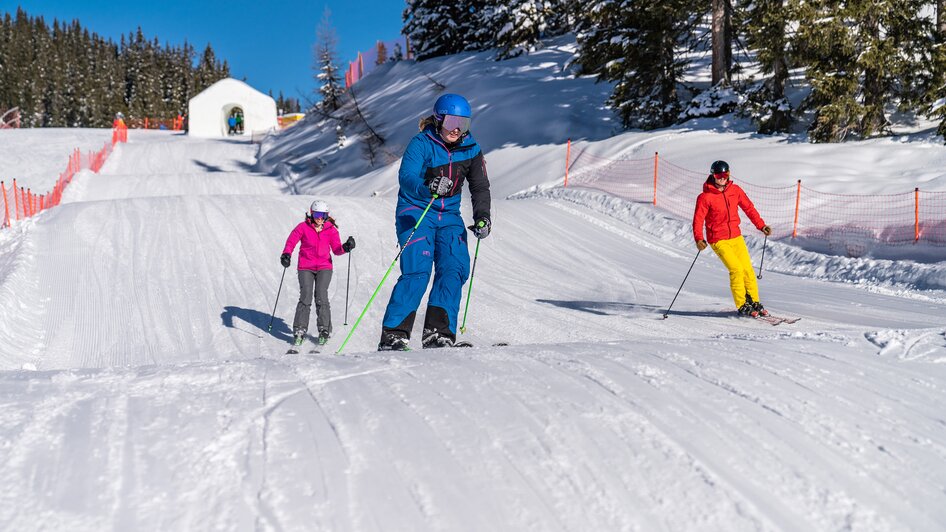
(140, 387)
(161, 402)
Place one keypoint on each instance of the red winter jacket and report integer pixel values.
(718, 209)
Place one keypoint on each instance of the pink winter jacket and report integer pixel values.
(314, 251)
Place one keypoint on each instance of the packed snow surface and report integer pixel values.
(141, 387)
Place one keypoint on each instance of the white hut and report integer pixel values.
(209, 111)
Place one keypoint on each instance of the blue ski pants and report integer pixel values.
(439, 244)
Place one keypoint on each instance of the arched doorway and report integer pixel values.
(233, 120)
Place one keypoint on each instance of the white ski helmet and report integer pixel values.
(318, 206)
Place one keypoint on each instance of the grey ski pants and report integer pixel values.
(313, 282)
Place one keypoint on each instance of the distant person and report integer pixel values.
(319, 237)
(239, 124)
(231, 124)
(119, 121)
(718, 207)
(435, 164)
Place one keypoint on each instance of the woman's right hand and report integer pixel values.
(285, 259)
(701, 245)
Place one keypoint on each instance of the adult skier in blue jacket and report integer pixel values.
(434, 167)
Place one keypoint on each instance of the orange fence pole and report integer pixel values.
(16, 201)
(568, 155)
(6, 206)
(916, 215)
(29, 202)
(797, 201)
(655, 179)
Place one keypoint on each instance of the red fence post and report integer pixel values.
(568, 155)
(797, 201)
(916, 215)
(16, 200)
(6, 206)
(655, 178)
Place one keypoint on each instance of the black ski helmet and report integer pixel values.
(719, 167)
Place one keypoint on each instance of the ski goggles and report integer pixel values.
(721, 175)
(318, 215)
(452, 123)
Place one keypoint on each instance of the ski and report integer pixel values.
(776, 320)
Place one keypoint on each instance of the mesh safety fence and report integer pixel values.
(791, 211)
(20, 202)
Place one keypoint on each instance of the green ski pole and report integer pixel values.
(391, 267)
(469, 289)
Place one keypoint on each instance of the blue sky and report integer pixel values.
(269, 43)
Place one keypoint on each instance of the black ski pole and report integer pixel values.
(347, 285)
(764, 242)
(270, 328)
(667, 314)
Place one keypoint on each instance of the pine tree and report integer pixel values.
(860, 55)
(638, 47)
(330, 87)
(438, 28)
(519, 25)
(765, 23)
(63, 75)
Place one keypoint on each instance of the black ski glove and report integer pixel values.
(440, 185)
(349, 244)
(285, 259)
(481, 228)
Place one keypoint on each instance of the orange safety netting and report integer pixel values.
(20, 203)
(792, 211)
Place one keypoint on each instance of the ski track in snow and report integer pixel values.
(162, 402)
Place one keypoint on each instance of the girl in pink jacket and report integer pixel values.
(319, 237)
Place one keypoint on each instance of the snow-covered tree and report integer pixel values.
(860, 55)
(437, 28)
(637, 46)
(519, 25)
(329, 83)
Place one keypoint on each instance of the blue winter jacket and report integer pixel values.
(428, 156)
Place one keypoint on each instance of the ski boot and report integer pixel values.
(433, 339)
(323, 337)
(759, 309)
(747, 310)
(298, 338)
(393, 341)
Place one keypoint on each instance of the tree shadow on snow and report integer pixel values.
(602, 308)
(257, 319)
(207, 166)
(607, 308)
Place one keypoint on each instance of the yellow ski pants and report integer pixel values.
(735, 256)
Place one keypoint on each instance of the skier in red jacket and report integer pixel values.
(718, 208)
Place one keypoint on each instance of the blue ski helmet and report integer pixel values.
(452, 104)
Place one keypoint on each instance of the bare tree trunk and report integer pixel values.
(873, 120)
(722, 41)
(941, 18)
